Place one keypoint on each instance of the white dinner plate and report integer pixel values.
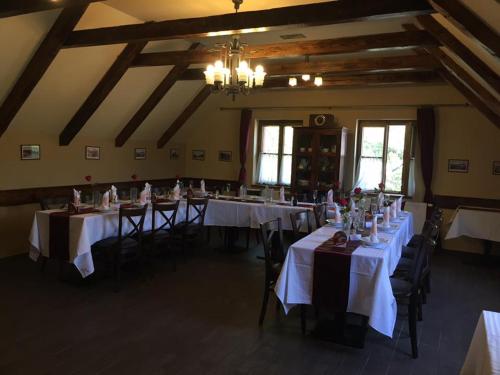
(334, 224)
(380, 245)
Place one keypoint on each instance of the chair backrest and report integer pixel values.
(53, 203)
(415, 274)
(135, 217)
(319, 211)
(272, 239)
(300, 219)
(199, 208)
(168, 212)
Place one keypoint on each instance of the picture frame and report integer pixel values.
(226, 156)
(30, 152)
(174, 154)
(198, 155)
(458, 165)
(140, 154)
(496, 167)
(92, 153)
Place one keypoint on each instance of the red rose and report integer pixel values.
(381, 186)
(336, 185)
(357, 191)
(88, 178)
(343, 202)
(134, 177)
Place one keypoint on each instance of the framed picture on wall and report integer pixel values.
(458, 165)
(92, 153)
(30, 152)
(225, 156)
(174, 154)
(198, 155)
(140, 154)
(496, 167)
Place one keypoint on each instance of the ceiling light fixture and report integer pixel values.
(318, 81)
(306, 77)
(232, 74)
(292, 81)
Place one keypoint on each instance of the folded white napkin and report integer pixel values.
(76, 197)
(114, 195)
(380, 200)
(105, 200)
(282, 194)
(329, 197)
(177, 192)
(399, 203)
(374, 230)
(394, 210)
(147, 189)
(387, 217)
(143, 198)
(202, 186)
(338, 216)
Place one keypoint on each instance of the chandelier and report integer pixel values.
(233, 74)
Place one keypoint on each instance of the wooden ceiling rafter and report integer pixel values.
(448, 40)
(315, 14)
(150, 104)
(100, 92)
(467, 21)
(39, 63)
(198, 100)
(10, 8)
(365, 43)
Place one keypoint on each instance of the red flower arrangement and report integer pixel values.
(88, 178)
(357, 191)
(381, 186)
(343, 202)
(134, 177)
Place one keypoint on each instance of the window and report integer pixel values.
(275, 146)
(384, 151)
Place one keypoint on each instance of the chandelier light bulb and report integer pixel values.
(209, 74)
(306, 77)
(292, 81)
(259, 75)
(318, 81)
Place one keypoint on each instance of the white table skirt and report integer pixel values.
(370, 291)
(87, 229)
(483, 357)
(475, 223)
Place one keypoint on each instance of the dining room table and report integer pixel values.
(368, 291)
(83, 230)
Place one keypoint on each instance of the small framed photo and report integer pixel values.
(458, 165)
(496, 167)
(140, 154)
(174, 154)
(92, 153)
(30, 152)
(198, 155)
(225, 156)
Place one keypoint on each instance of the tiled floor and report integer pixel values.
(202, 319)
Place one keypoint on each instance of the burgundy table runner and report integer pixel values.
(59, 233)
(332, 267)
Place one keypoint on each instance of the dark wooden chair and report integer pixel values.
(407, 292)
(159, 238)
(319, 211)
(299, 220)
(191, 230)
(54, 203)
(128, 245)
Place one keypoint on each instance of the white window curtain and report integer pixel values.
(268, 169)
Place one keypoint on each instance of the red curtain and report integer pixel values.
(426, 130)
(246, 118)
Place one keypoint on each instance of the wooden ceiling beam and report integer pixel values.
(360, 80)
(100, 92)
(184, 116)
(466, 20)
(39, 63)
(458, 48)
(364, 43)
(10, 8)
(331, 12)
(156, 96)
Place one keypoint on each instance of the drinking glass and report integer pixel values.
(133, 194)
(315, 195)
(216, 194)
(96, 198)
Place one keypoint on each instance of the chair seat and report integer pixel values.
(128, 245)
(408, 252)
(400, 288)
(159, 236)
(187, 229)
(416, 241)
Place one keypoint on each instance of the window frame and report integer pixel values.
(408, 153)
(282, 124)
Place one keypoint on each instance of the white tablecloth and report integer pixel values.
(370, 291)
(475, 223)
(483, 357)
(87, 229)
